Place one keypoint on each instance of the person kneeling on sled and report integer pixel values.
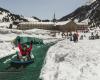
(24, 50)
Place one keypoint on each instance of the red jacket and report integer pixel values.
(77, 34)
(26, 52)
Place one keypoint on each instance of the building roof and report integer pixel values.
(49, 23)
(62, 22)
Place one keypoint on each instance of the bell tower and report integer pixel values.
(54, 18)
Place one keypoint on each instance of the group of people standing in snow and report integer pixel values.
(71, 36)
(94, 36)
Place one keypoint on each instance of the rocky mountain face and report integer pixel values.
(91, 12)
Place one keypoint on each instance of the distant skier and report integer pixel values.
(63, 35)
(81, 38)
(97, 36)
(24, 50)
(92, 36)
(71, 36)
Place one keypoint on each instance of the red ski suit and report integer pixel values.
(26, 52)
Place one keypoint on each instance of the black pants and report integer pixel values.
(28, 56)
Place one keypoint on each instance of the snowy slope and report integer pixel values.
(2, 15)
(8, 17)
(91, 1)
(30, 19)
(72, 61)
(5, 24)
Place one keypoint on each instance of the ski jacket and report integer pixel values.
(26, 52)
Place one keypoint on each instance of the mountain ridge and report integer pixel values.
(7, 16)
(91, 12)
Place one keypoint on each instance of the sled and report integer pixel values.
(15, 60)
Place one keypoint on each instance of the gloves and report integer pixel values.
(31, 42)
(19, 40)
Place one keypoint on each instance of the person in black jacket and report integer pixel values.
(75, 37)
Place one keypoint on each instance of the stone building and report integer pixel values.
(66, 26)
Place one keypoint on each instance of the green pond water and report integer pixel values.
(24, 72)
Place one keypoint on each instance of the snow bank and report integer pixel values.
(5, 24)
(72, 61)
(2, 15)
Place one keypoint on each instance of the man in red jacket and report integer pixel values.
(24, 51)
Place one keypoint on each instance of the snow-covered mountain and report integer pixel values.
(7, 16)
(10, 20)
(90, 1)
(91, 12)
(31, 19)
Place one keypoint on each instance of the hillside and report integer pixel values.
(7, 16)
(88, 11)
